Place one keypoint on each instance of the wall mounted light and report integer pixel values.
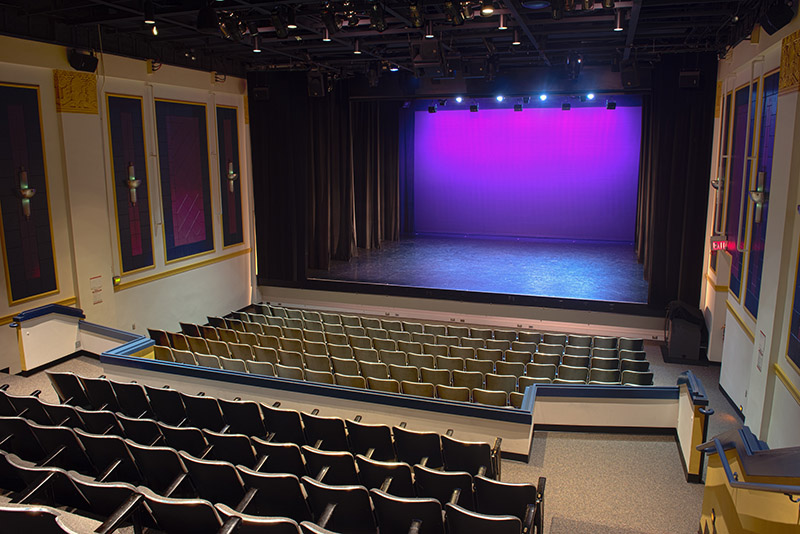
(132, 183)
(24, 192)
(759, 197)
(232, 176)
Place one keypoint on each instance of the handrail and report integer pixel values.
(46, 310)
(735, 483)
(696, 390)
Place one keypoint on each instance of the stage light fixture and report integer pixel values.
(542, 97)
(429, 30)
(394, 67)
(459, 99)
(590, 96)
(353, 19)
(487, 8)
(453, 12)
(611, 104)
(566, 106)
(526, 99)
(326, 36)
(279, 23)
(431, 109)
(588, 5)
(291, 23)
(502, 25)
(442, 102)
(473, 108)
(517, 107)
(356, 47)
(608, 4)
(155, 29)
(377, 18)
(499, 98)
(256, 44)
(569, 5)
(149, 12)
(331, 21)
(516, 41)
(619, 18)
(416, 15)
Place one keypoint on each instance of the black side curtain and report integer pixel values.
(675, 162)
(325, 173)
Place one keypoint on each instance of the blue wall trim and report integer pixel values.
(598, 391)
(94, 328)
(117, 357)
(48, 309)
(696, 390)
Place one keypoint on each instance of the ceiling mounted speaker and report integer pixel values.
(776, 17)
(82, 62)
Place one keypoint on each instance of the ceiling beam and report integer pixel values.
(512, 7)
(632, 24)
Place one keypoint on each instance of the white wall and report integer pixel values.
(82, 200)
(753, 347)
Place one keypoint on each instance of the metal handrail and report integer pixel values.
(735, 483)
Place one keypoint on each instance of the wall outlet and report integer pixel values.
(78, 344)
(133, 326)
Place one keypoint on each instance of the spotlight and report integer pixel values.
(502, 25)
(356, 47)
(207, 21)
(442, 102)
(611, 104)
(590, 96)
(394, 67)
(542, 97)
(431, 109)
(377, 18)
(619, 17)
(256, 44)
(566, 106)
(526, 99)
(331, 21)
(473, 108)
(608, 4)
(588, 5)
(280, 24)
(517, 107)
(499, 98)
(453, 12)
(516, 41)
(459, 99)
(487, 8)
(429, 30)
(416, 15)
(291, 23)
(353, 19)
(155, 29)
(326, 36)
(149, 12)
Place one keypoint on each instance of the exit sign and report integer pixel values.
(718, 242)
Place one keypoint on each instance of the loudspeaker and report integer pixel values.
(260, 94)
(629, 75)
(683, 340)
(776, 17)
(689, 79)
(316, 84)
(80, 61)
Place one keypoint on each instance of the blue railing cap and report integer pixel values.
(48, 309)
(696, 390)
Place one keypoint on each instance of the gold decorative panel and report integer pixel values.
(76, 92)
(718, 101)
(790, 64)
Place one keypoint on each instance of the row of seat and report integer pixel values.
(332, 319)
(249, 501)
(251, 419)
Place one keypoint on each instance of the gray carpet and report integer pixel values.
(596, 483)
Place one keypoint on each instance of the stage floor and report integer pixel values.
(584, 270)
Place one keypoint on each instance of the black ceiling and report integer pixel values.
(554, 35)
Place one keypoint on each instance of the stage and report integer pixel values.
(541, 268)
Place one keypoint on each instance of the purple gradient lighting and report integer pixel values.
(536, 173)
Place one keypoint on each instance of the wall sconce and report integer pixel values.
(232, 176)
(24, 192)
(132, 183)
(759, 197)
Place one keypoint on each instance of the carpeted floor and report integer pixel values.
(597, 483)
(583, 270)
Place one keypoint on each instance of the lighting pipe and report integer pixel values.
(749, 158)
(719, 183)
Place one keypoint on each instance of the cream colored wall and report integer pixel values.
(752, 347)
(82, 199)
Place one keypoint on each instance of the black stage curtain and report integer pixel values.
(677, 136)
(325, 174)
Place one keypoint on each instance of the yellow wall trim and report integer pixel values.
(179, 270)
(741, 322)
(7, 319)
(715, 286)
(780, 373)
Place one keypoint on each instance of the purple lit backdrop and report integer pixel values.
(535, 173)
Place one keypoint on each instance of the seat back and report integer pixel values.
(397, 514)
(441, 485)
(326, 433)
(417, 447)
(214, 481)
(287, 425)
(462, 521)
(184, 438)
(182, 516)
(69, 389)
(203, 412)
(352, 511)
(471, 456)
(132, 399)
(501, 498)
(243, 417)
(233, 448)
(167, 404)
(392, 477)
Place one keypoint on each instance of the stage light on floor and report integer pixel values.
(566, 106)
(590, 96)
(611, 105)
(473, 108)
(517, 107)
(542, 97)
(431, 109)
(459, 99)
(526, 99)
(499, 98)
